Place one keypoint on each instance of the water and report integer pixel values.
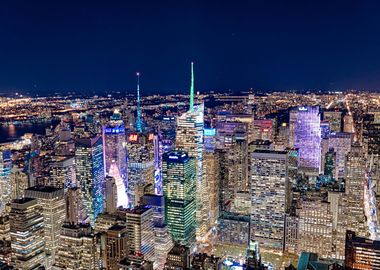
(13, 132)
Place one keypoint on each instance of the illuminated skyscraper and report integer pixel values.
(351, 204)
(341, 143)
(114, 146)
(178, 258)
(77, 247)
(212, 167)
(162, 239)
(52, 201)
(361, 253)
(315, 229)
(62, 172)
(189, 138)
(75, 212)
(305, 134)
(270, 196)
(179, 176)
(27, 234)
(20, 181)
(90, 174)
(5, 178)
(140, 229)
(116, 246)
(141, 166)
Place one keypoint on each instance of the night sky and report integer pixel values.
(48, 46)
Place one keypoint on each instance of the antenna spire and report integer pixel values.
(138, 120)
(192, 88)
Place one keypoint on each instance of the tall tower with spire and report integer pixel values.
(189, 138)
(192, 88)
(138, 120)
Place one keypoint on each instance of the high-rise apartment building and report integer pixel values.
(305, 134)
(27, 234)
(180, 176)
(90, 174)
(270, 196)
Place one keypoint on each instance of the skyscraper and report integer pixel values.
(141, 166)
(90, 174)
(178, 258)
(114, 146)
(341, 143)
(361, 253)
(62, 172)
(27, 234)
(140, 231)
(269, 191)
(190, 139)
(5, 178)
(116, 246)
(162, 238)
(52, 201)
(305, 134)
(77, 247)
(110, 195)
(179, 176)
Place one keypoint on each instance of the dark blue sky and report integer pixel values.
(93, 45)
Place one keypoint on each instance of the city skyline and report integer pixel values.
(201, 180)
(94, 48)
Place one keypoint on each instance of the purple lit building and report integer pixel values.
(305, 134)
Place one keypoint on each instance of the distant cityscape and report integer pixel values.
(279, 180)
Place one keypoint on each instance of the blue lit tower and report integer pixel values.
(192, 88)
(5, 180)
(138, 120)
(90, 174)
